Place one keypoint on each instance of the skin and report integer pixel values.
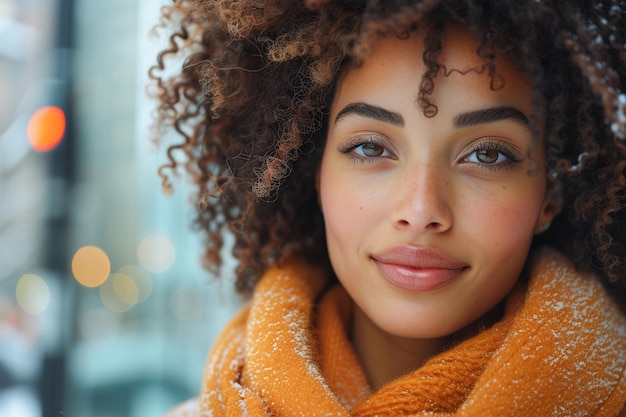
(472, 192)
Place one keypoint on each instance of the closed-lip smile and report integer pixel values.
(416, 268)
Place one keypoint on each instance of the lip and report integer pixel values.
(417, 268)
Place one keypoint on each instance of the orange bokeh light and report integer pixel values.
(91, 266)
(46, 128)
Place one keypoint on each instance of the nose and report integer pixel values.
(423, 200)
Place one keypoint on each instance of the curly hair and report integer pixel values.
(253, 96)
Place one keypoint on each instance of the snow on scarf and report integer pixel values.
(560, 350)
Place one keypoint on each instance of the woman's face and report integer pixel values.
(429, 220)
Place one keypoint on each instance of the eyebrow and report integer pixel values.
(371, 112)
(463, 120)
(490, 115)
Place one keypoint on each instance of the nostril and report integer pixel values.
(402, 223)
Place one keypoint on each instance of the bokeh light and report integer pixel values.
(156, 253)
(125, 288)
(32, 293)
(91, 266)
(46, 128)
(111, 290)
(141, 279)
(129, 286)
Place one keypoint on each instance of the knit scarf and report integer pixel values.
(559, 350)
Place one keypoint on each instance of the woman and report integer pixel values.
(426, 199)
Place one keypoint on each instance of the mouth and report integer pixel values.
(418, 268)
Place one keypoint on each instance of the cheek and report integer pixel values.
(350, 208)
(342, 208)
(504, 223)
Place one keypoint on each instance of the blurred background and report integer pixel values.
(104, 308)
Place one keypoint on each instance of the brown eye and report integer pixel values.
(372, 150)
(490, 153)
(368, 149)
(487, 156)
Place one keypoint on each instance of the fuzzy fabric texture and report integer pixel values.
(559, 350)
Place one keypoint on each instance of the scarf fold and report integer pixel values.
(559, 350)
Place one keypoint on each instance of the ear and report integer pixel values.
(550, 208)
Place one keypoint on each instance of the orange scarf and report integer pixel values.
(559, 350)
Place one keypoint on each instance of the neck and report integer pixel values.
(386, 357)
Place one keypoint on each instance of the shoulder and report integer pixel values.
(190, 408)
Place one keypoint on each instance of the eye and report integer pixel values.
(367, 149)
(492, 153)
(486, 156)
(371, 150)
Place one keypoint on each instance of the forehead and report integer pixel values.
(456, 64)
